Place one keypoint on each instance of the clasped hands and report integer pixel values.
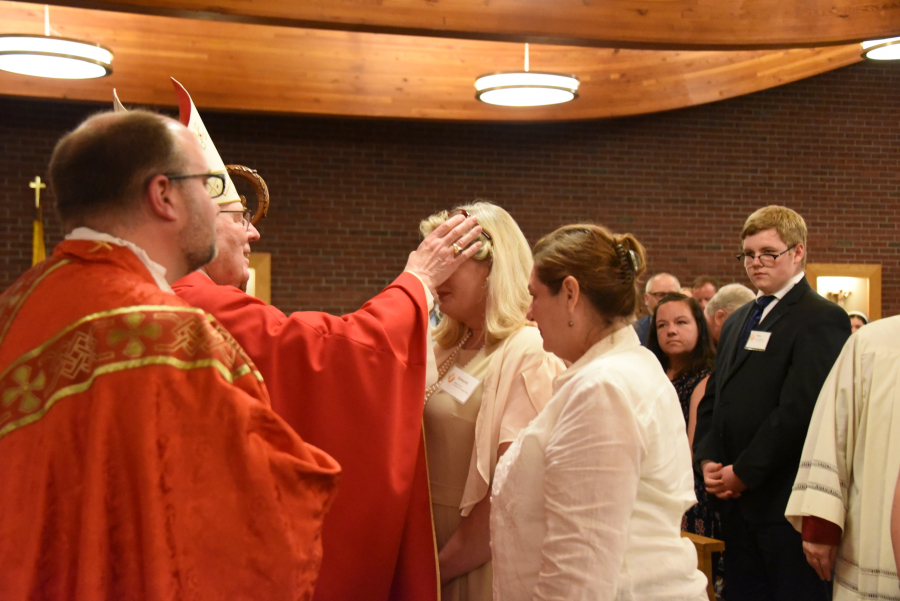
(722, 481)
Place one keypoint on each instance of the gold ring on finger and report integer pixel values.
(456, 250)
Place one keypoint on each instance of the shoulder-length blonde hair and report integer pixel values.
(507, 284)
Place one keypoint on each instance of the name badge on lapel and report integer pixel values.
(459, 385)
(758, 340)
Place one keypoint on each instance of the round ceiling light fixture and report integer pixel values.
(55, 57)
(887, 49)
(526, 88)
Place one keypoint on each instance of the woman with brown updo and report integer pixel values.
(587, 502)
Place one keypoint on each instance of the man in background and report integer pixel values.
(704, 288)
(725, 302)
(140, 456)
(657, 287)
(772, 359)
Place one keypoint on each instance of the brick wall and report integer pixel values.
(348, 193)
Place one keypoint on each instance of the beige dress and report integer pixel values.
(516, 380)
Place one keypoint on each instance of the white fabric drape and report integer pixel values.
(850, 461)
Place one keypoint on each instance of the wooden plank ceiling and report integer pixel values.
(419, 58)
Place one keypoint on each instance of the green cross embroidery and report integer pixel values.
(30, 401)
(134, 333)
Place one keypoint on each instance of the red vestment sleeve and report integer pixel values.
(353, 386)
(821, 531)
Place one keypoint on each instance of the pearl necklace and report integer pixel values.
(446, 365)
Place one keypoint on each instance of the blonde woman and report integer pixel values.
(494, 379)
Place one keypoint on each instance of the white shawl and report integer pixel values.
(520, 354)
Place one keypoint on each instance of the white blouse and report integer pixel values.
(587, 502)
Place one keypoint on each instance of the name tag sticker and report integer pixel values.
(459, 385)
(758, 340)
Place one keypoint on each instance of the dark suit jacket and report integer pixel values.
(642, 327)
(758, 404)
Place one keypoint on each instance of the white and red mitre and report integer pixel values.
(190, 118)
(118, 107)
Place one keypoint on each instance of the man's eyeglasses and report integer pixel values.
(466, 214)
(246, 217)
(216, 183)
(659, 295)
(766, 259)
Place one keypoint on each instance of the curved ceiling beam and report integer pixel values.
(657, 24)
(238, 67)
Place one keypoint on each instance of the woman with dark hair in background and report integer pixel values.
(680, 340)
(679, 337)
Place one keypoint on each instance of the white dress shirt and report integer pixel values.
(780, 294)
(587, 502)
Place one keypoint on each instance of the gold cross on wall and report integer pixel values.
(38, 185)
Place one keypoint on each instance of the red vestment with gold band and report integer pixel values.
(141, 458)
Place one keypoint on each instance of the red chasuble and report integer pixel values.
(353, 386)
(141, 458)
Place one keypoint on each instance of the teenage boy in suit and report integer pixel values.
(773, 357)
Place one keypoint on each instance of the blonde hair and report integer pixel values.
(606, 265)
(788, 223)
(507, 298)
